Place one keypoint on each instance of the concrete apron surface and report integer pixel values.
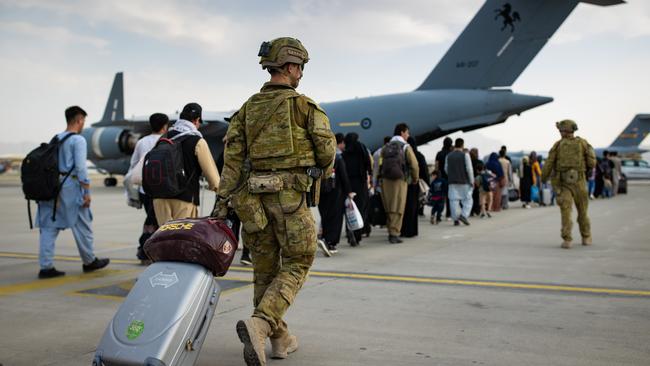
(497, 292)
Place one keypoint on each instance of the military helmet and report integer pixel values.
(567, 125)
(282, 50)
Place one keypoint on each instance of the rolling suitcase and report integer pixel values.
(166, 316)
(164, 319)
(546, 196)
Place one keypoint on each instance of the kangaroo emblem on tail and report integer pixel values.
(508, 19)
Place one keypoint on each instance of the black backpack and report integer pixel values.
(39, 174)
(163, 170)
(393, 164)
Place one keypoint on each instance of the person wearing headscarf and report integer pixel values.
(507, 177)
(525, 181)
(535, 166)
(410, 221)
(359, 169)
(476, 208)
(441, 158)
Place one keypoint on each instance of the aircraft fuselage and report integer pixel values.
(429, 113)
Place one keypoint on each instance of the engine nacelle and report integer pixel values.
(109, 142)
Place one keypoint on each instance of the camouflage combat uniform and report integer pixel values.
(282, 133)
(567, 164)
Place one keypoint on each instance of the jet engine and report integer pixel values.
(109, 142)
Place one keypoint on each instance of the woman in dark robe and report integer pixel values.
(476, 205)
(526, 181)
(357, 163)
(424, 175)
(598, 190)
(410, 221)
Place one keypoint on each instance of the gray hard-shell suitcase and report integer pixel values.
(164, 319)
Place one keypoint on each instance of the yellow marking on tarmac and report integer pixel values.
(121, 298)
(128, 286)
(58, 281)
(525, 286)
(394, 278)
(349, 124)
(64, 258)
(97, 296)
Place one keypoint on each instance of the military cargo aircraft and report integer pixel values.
(467, 90)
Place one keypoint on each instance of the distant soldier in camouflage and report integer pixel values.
(277, 146)
(567, 164)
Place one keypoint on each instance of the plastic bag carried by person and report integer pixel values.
(132, 184)
(353, 216)
(135, 175)
(534, 193)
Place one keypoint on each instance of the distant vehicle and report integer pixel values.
(636, 169)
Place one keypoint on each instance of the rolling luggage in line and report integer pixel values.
(546, 196)
(165, 318)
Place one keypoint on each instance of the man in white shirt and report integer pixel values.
(159, 123)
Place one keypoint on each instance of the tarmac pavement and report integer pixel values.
(498, 292)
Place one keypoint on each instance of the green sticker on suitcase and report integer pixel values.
(135, 329)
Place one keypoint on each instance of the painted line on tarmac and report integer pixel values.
(407, 279)
(58, 281)
(64, 258)
(128, 285)
(493, 284)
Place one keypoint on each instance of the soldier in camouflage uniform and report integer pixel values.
(567, 164)
(271, 142)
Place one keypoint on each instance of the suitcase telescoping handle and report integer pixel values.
(194, 342)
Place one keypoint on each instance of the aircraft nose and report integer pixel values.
(522, 102)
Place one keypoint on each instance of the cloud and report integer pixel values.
(626, 20)
(51, 34)
(218, 29)
(163, 20)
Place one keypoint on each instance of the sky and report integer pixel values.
(54, 54)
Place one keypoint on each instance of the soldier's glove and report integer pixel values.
(220, 210)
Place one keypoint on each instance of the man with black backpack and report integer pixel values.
(69, 205)
(397, 160)
(171, 170)
(159, 123)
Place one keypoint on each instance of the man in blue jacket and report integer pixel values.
(73, 205)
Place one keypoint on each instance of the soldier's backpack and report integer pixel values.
(39, 174)
(393, 157)
(163, 169)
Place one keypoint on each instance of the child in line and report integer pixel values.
(485, 180)
(437, 196)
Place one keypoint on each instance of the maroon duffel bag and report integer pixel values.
(205, 241)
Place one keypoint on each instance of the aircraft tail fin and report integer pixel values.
(114, 110)
(634, 133)
(499, 43)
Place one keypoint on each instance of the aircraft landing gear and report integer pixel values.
(110, 182)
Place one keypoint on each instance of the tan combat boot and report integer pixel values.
(586, 241)
(253, 333)
(566, 244)
(283, 345)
